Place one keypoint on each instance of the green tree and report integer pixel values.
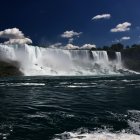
(117, 47)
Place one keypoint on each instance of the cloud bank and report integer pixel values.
(88, 46)
(85, 46)
(15, 36)
(123, 27)
(103, 16)
(19, 41)
(70, 46)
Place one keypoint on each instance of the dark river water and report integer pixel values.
(73, 108)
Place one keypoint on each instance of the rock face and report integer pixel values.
(111, 55)
(9, 69)
(132, 64)
(131, 58)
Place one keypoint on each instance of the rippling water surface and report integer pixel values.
(73, 108)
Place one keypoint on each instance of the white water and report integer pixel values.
(100, 56)
(45, 61)
(97, 136)
(119, 58)
(85, 134)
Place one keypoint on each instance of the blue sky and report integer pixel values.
(44, 21)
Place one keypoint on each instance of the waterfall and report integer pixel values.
(7, 52)
(100, 56)
(118, 57)
(46, 61)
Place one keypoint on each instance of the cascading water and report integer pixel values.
(46, 61)
(7, 52)
(100, 56)
(118, 57)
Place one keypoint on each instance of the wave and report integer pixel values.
(35, 60)
(5, 131)
(134, 120)
(21, 84)
(96, 136)
(132, 133)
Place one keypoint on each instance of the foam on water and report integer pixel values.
(25, 84)
(97, 136)
(35, 60)
(132, 118)
(5, 131)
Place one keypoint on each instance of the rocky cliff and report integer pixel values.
(9, 69)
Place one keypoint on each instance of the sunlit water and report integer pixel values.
(70, 108)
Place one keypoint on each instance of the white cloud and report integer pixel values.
(18, 41)
(103, 16)
(70, 34)
(122, 27)
(15, 36)
(125, 38)
(71, 40)
(13, 33)
(88, 46)
(70, 47)
(56, 45)
(122, 39)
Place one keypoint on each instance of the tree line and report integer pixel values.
(119, 47)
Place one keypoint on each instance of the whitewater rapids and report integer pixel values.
(35, 60)
(97, 136)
